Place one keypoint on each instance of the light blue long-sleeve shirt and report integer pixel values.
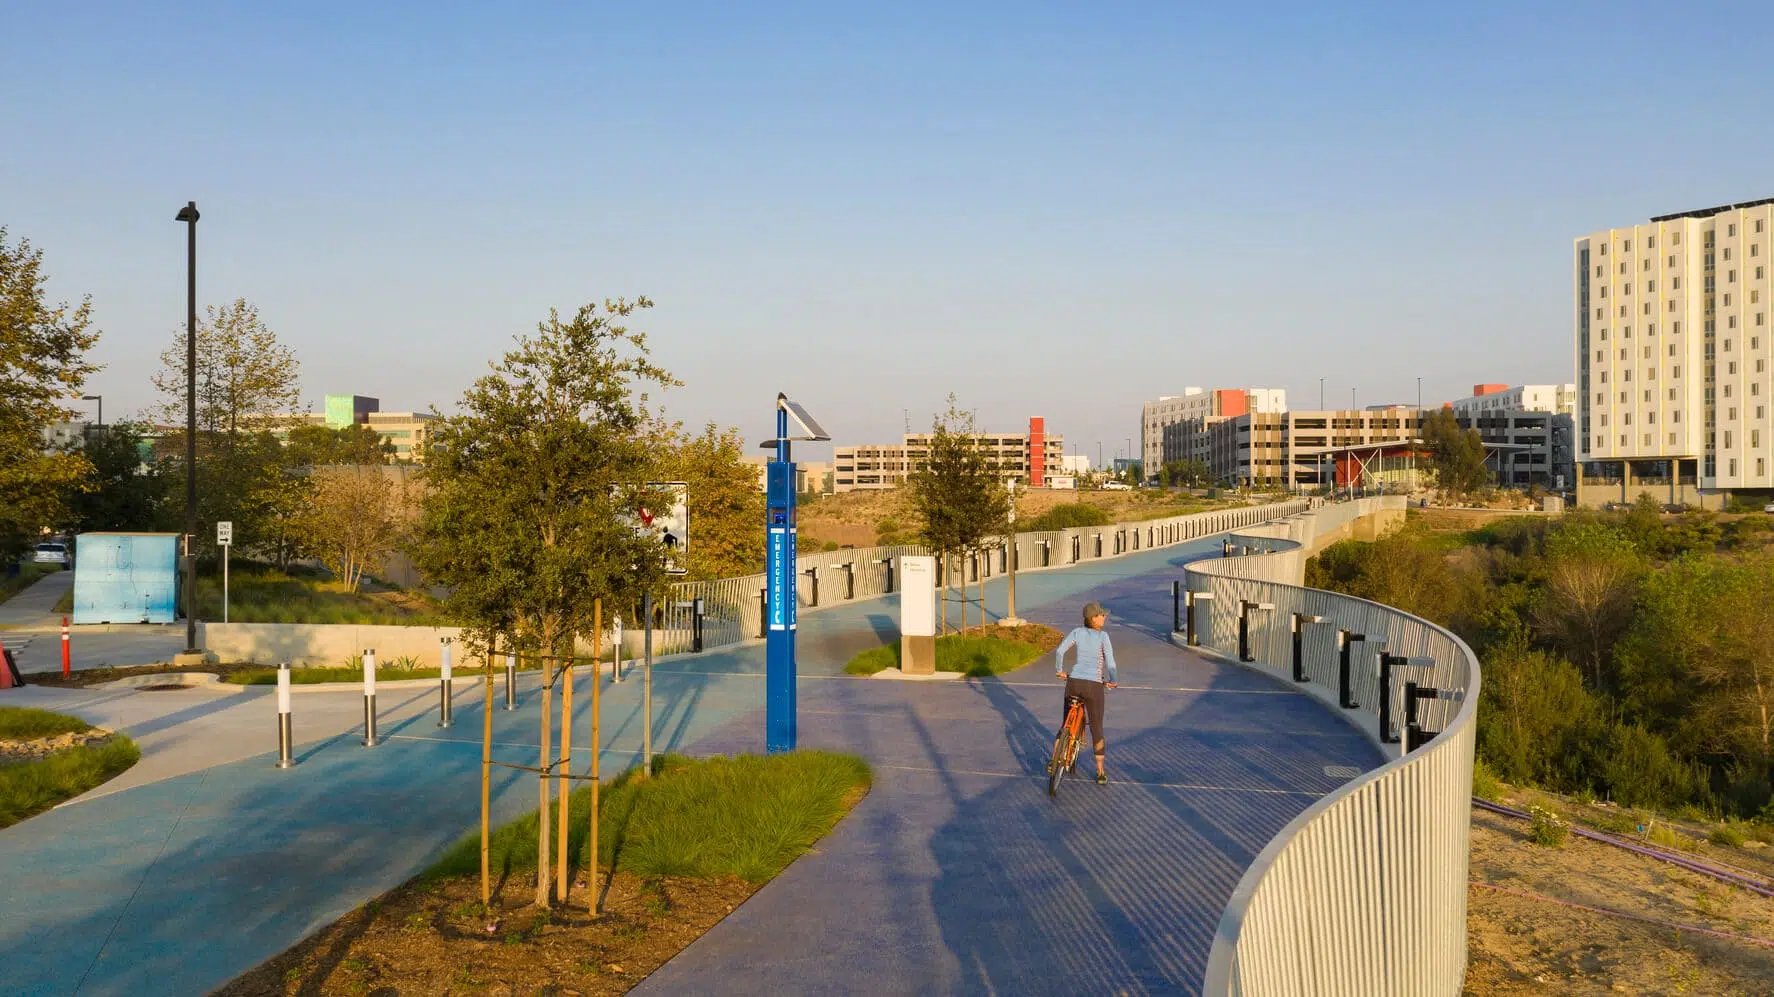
(1096, 656)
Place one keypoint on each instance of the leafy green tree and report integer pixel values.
(350, 520)
(42, 363)
(246, 380)
(726, 506)
(1535, 716)
(126, 490)
(530, 488)
(1185, 474)
(1456, 456)
(319, 446)
(960, 500)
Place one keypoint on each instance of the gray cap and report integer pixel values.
(1092, 610)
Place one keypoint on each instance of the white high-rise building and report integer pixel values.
(1673, 349)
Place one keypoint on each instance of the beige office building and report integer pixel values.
(1197, 404)
(1029, 457)
(1672, 355)
(407, 431)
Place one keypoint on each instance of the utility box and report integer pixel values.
(126, 577)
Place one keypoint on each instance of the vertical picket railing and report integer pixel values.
(1363, 894)
(732, 609)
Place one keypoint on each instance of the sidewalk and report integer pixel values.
(127, 891)
(35, 606)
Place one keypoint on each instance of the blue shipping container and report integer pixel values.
(126, 577)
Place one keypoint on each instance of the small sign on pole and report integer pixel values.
(225, 539)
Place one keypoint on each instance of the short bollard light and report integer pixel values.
(285, 731)
(443, 657)
(1192, 601)
(1414, 734)
(369, 697)
(1299, 627)
(1176, 606)
(1245, 608)
(616, 652)
(510, 680)
(888, 561)
(1226, 547)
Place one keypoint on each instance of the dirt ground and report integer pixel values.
(434, 940)
(43, 747)
(1531, 945)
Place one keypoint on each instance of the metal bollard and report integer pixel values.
(369, 697)
(285, 730)
(443, 713)
(616, 654)
(764, 611)
(1176, 606)
(696, 624)
(67, 657)
(510, 681)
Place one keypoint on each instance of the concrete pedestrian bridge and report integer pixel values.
(1256, 837)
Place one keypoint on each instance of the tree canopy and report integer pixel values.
(525, 519)
(42, 364)
(1456, 456)
(960, 499)
(726, 505)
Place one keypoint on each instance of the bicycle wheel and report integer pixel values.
(1056, 768)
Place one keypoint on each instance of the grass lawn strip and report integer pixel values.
(46, 758)
(687, 846)
(979, 652)
(28, 574)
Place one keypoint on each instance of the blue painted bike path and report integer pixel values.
(177, 886)
(958, 875)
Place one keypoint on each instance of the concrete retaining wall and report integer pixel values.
(303, 644)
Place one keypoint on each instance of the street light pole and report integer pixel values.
(1321, 394)
(188, 214)
(101, 400)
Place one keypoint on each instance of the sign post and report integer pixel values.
(779, 603)
(225, 539)
(1011, 619)
(917, 615)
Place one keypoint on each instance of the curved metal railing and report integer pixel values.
(1363, 894)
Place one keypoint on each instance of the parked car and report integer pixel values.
(53, 553)
(1769, 507)
(1117, 486)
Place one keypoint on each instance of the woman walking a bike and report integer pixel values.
(1092, 671)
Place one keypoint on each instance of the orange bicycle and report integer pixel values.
(1065, 744)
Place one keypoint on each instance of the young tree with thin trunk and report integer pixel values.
(726, 540)
(958, 496)
(246, 380)
(529, 489)
(351, 521)
(42, 364)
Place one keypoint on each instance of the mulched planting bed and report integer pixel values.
(433, 938)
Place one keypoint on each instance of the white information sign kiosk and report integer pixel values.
(917, 615)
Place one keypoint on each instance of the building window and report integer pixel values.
(1760, 467)
(1647, 353)
(1676, 416)
(1675, 328)
(1604, 250)
(1626, 375)
(1650, 417)
(1622, 311)
(1650, 285)
(1730, 231)
(1651, 329)
(1731, 367)
(1604, 418)
(1730, 321)
(1650, 242)
(1675, 239)
(1672, 439)
(1672, 259)
(1604, 292)
(1727, 300)
(1626, 245)
(1728, 437)
(1604, 377)
(1732, 464)
(1626, 420)
(1676, 371)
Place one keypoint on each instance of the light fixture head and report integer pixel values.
(188, 213)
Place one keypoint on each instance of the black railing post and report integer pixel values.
(1386, 735)
(1176, 606)
(1346, 640)
(763, 614)
(1300, 621)
(1244, 630)
(696, 625)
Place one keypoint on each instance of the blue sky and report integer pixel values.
(1047, 209)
